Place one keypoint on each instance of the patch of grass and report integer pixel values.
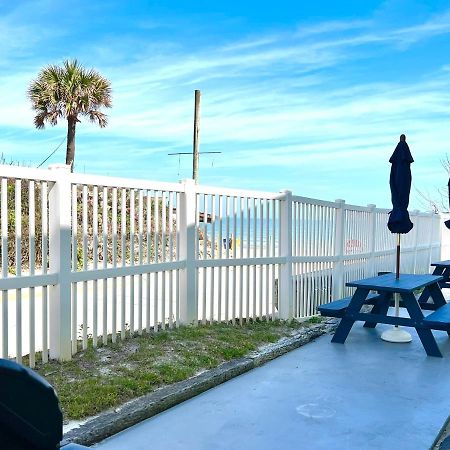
(100, 378)
(316, 319)
(171, 373)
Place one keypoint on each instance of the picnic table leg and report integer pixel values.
(434, 292)
(347, 321)
(424, 296)
(436, 295)
(444, 271)
(439, 270)
(381, 307)
(446, 281)
(425, 334)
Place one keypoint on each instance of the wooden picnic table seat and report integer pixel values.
(439, 319)
(338, 307)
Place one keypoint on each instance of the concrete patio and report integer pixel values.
(365, 394)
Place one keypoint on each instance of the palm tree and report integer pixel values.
(66, 93)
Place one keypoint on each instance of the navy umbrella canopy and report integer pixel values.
(400, 183)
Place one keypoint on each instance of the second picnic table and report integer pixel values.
(442, 268)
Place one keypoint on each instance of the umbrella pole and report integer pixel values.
(397, 276)
(396, 333)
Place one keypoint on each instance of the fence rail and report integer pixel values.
(88, 257)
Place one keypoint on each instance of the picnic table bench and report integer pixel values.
(431, 298)
(339, 307)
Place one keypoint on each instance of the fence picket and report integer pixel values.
(74, 296)
(18, 229)
(44, 245)
(114, 263)
(85, 259)
(105, 233)
(123, 248)
(140, 256)
(32, 262)
(5, 262)
(94, 266)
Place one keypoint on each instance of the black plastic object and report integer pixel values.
(30, 416)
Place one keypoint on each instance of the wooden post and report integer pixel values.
(196, 136)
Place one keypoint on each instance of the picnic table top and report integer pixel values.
(442, 263)
(388, 282)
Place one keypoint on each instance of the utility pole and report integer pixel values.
(195, 152)
(195, 158)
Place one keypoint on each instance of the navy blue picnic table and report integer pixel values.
(442, 268)
(407, 286)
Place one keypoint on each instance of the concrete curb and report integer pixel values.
(137, 410)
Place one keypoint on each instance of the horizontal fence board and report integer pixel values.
(114, 272)
(27, 173)
(123, 183)
(228, 192)
(28, 281)
(240, 262)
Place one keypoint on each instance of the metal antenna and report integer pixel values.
(190, 153)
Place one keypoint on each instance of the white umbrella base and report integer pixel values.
(396, 334)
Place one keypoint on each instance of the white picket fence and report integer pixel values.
(120, 256)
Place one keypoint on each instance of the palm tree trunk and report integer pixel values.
(70, 152)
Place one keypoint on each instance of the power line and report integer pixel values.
(52, 153)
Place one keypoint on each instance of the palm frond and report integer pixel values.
(39, 120)
(98, 117)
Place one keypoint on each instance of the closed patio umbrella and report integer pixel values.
(399, 221)
(400, 183)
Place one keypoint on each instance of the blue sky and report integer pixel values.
(306, 96)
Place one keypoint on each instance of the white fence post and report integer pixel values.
(416, 236)
(430, 242)
(286, 304)
(60, 258)
(432, 235)
(188, 276)
(338, 269)
(372, 237)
